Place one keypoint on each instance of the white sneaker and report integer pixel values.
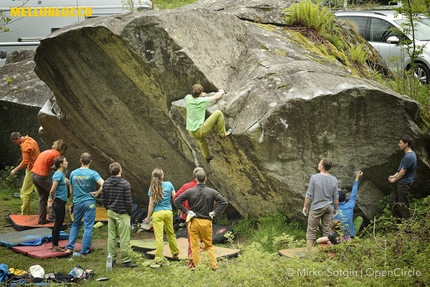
(146, 226)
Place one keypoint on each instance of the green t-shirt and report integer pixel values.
(196, 111)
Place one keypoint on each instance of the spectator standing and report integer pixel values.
(30, 151)
(160, 195)
(404, 177)
(84, 191)
(116, 198)
(41, 177)
(201, 200)
(321, 194)
(183, 216)
(59, 194)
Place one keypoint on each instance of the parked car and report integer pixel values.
(383, 30)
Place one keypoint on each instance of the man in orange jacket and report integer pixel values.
(30, 151)
(42, 179)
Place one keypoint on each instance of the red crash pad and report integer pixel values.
(45, 250)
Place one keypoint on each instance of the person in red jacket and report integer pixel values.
(41, 177)
(30, 151)
(183, 216)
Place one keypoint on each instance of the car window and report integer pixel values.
(380, 30)
(360, 23)
(422, 28)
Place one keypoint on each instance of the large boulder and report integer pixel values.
(22, 95)
(119, 83)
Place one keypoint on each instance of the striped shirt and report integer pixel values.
(116, 195)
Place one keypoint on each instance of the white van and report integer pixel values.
(32, 20)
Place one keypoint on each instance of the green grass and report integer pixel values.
(402, 248)
(171, 4)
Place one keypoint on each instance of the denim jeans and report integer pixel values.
(87, 211)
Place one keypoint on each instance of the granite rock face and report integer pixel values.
(22, 95)
(119, 84)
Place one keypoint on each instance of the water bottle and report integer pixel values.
(109, 263)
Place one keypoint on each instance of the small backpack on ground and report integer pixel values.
(137, 215)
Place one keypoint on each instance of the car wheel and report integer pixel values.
(422, 73)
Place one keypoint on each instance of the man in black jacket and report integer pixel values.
(201, 200)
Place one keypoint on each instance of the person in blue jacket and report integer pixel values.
(346, 210)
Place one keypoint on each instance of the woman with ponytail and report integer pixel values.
(160, 195)
(59, 194)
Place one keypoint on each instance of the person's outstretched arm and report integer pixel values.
(217, 95)
(353, 196)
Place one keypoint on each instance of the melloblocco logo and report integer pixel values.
(51, 11)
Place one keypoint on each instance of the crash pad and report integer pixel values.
(301, 252)
(143, 245)
(24, 222)
(38, 235)
(44, 251)
(183, 247)
(218, 232)
(101, 215)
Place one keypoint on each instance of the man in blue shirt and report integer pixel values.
(83, 183)
(404, 177)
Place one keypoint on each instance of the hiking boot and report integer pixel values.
(227, 133)
(175, 256)
(128, 264)
(208, 160)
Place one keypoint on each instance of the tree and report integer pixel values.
(133, 5)
(4, 20)
(412, 49)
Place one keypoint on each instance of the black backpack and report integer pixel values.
(137, 215)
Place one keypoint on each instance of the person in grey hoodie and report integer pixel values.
(321, 194)
(116, 198)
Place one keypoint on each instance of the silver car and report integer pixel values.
(376, 27)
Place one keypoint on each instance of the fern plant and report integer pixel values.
(358, 54)
(308, 14)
